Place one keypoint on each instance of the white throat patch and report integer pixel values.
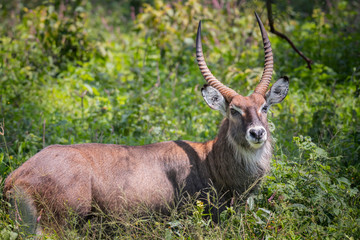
(252, 159)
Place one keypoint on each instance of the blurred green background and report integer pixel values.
(125, 72)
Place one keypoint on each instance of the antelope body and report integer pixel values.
(120, 178)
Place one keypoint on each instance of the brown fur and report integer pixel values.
(119, 178)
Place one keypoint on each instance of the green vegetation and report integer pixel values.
(80, 71)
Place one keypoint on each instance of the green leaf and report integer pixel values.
(250, 203)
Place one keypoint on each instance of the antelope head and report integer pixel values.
(247, 115)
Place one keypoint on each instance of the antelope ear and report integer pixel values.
(214, 99)
(278, 91)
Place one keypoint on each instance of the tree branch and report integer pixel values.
(274, 31)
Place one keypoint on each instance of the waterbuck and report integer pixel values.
(118, 178)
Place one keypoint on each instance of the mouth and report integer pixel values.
(256, 143)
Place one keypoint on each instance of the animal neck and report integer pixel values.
(234, 166)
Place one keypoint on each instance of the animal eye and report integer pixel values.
(265, 109)
(234, 112)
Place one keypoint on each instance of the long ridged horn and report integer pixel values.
(262, 87)
(228, 93)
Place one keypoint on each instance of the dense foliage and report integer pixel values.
(80, 71)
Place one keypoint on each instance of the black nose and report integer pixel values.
(257, 133)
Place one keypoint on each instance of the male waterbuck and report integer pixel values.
(119, 178)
